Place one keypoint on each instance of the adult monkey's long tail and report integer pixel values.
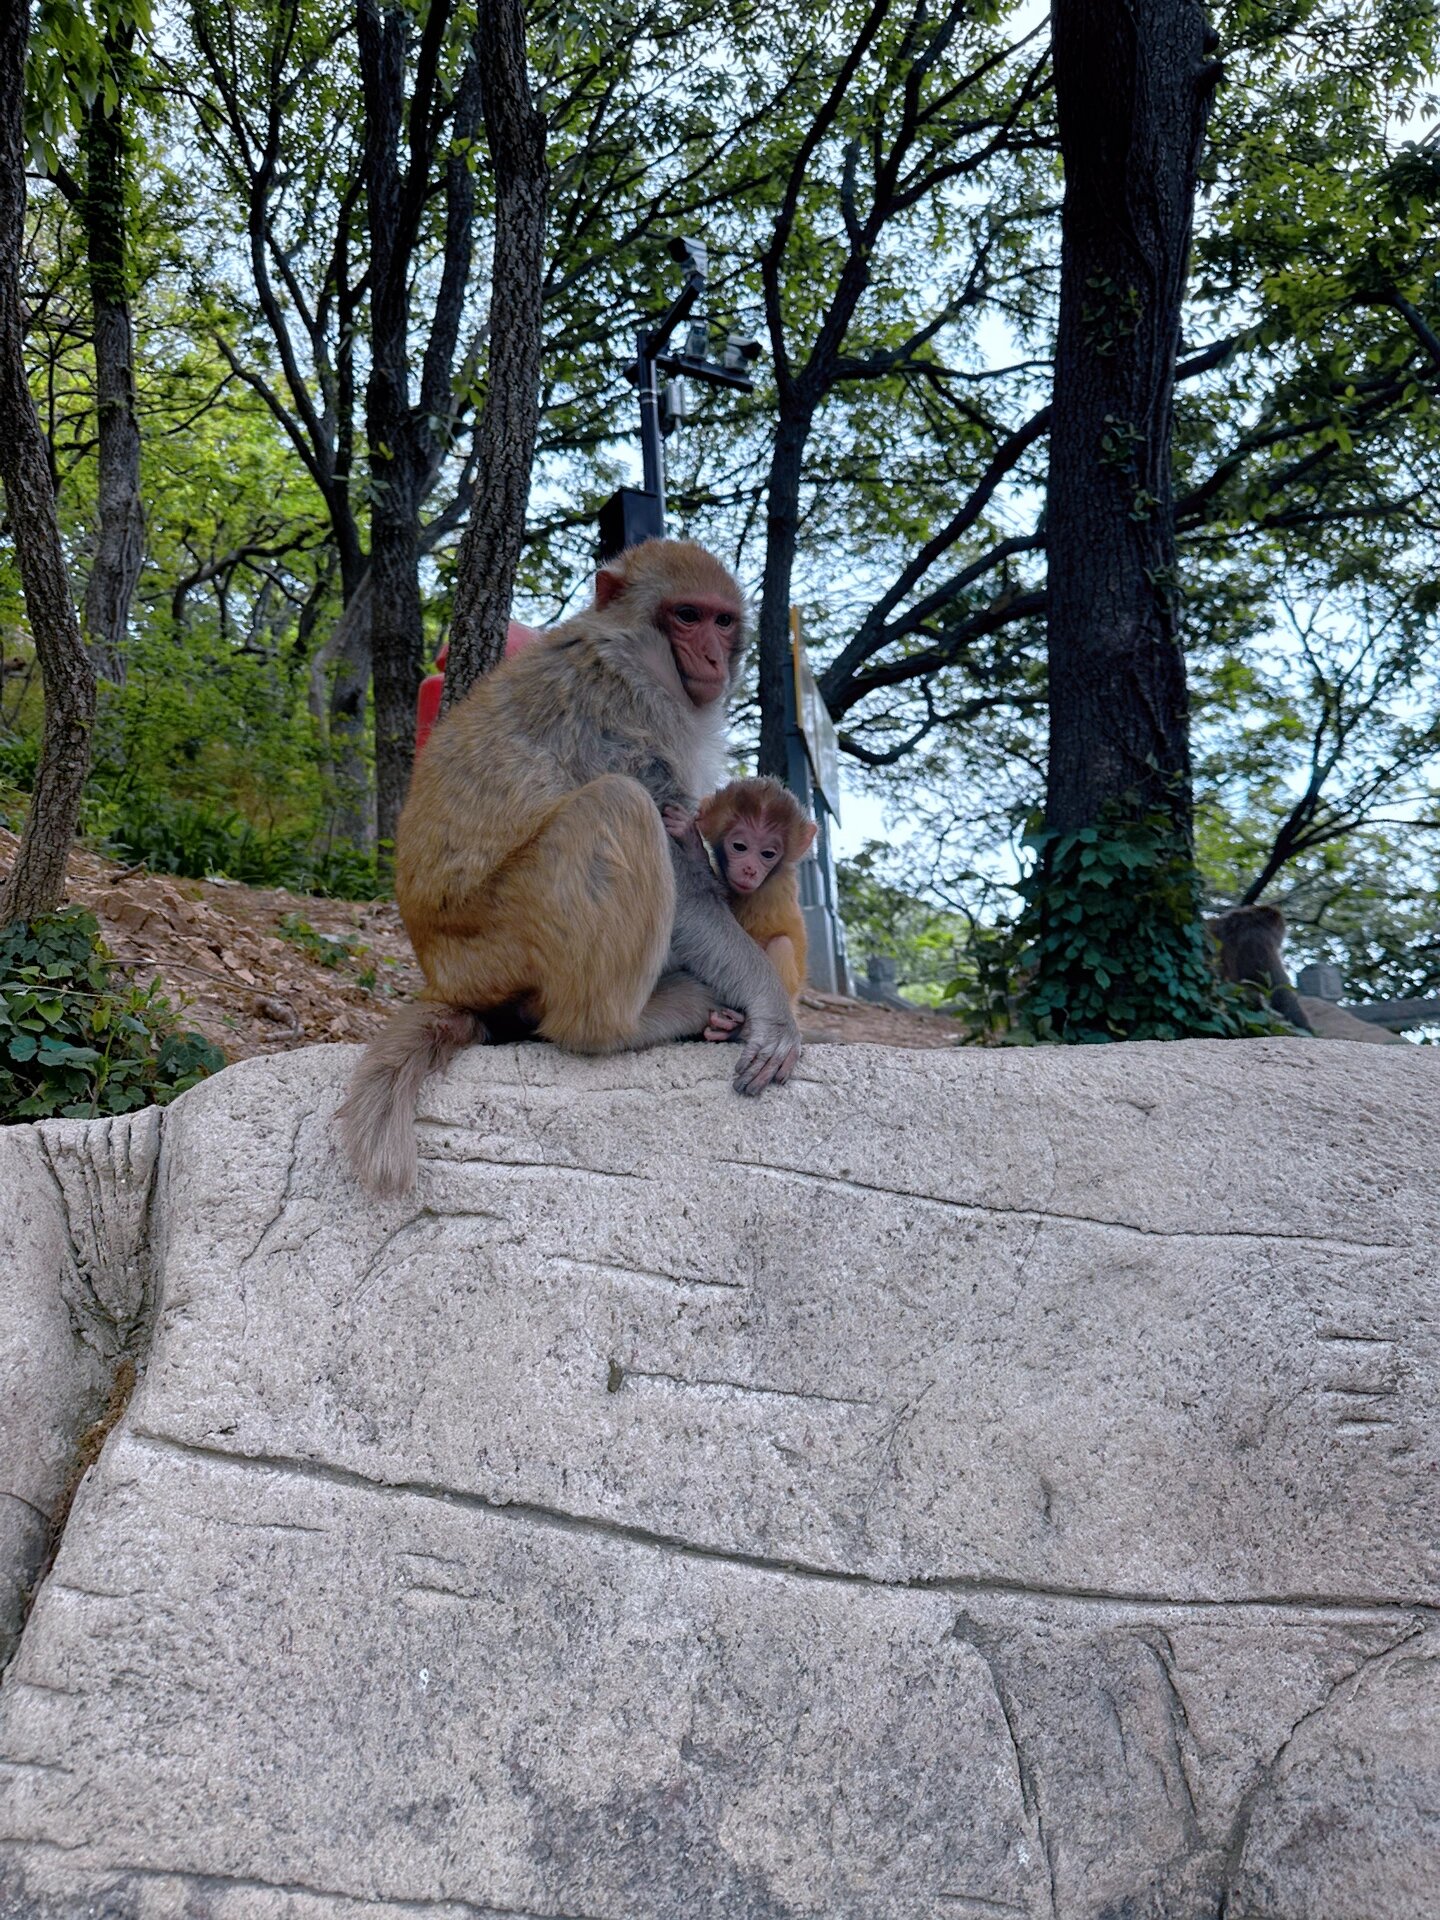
(377, 1120)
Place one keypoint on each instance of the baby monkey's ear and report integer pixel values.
(714, 815)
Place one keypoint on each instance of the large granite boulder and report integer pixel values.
(962, 1486)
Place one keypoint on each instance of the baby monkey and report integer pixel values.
(757, 834)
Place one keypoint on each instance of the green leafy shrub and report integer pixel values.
(75, 1039)
(19, 758)
(330, 949)
(201, 841)
(926, 942)
(19, 754)
(1109, 945)
(181, 837)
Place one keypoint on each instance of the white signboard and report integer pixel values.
(816, 726)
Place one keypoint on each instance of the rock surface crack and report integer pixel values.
(970, 1633)
(1359, 1608)
(990, 1209)
(1270, 1772)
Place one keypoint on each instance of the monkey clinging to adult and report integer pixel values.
(535, 878)
(1249, 939)
(757, 834)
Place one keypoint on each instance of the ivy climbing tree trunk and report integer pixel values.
(1113, 912)
(36, 882)
(120, 534)
(1133, 88)
(505, 431)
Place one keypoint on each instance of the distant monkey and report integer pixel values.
(757, 834)
(1250, 939)
(533, 872)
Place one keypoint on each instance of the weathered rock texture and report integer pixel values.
(964, 1486)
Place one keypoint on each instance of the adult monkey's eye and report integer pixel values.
(724, 619)
(687, 615)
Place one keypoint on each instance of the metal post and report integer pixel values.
(633, 513)
(1322, 982)
(651, 450)
(828, 965)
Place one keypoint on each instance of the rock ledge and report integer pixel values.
(965, 1486)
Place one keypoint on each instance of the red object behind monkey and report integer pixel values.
(432, 687)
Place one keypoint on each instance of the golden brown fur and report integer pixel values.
(771, 914)
(532, 871)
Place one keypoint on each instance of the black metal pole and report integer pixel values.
(633, 514)
(651, 448)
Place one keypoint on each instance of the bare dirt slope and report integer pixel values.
(262, 970)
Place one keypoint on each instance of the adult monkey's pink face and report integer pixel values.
(703, 634)
(681, 593)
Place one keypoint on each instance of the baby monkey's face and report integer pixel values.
(749, 852)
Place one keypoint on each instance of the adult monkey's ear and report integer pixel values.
(608, 586)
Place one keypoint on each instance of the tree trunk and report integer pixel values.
(353, 790)
(782, 534)
(120, 536)
(408, 442)
(505, 431)
(396, 643)
(1133, 93)
(36, 882)
(339, 680)
(396, 625)
(341, 724)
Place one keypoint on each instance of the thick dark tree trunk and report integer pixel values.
(342, 726)
(339, 684)
(36, 882)
(772, 635)
(120, 536)
(1133, 91)
(353, 790)
(505, 431)
(407, 442)
(396, 643)
(396, 625)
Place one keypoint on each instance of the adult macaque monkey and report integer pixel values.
(534, 876)
(1249, 939)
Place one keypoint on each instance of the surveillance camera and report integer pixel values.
(738, 352)
(697, 340)
(691, 254)
(674, 406)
